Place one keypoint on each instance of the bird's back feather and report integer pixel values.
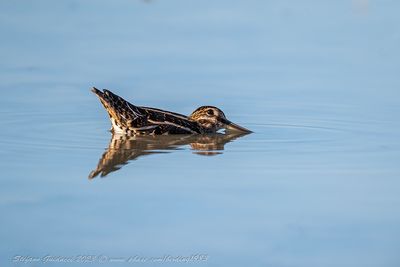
(130, 119)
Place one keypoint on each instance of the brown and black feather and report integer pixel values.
(130, 119)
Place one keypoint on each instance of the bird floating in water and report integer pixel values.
(129, 119)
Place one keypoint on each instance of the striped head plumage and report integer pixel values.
(214, 119)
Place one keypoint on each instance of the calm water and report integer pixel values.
(316, 184)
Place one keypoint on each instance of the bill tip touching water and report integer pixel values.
(130, 119)
(139, 131)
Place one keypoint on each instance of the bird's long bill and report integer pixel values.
(234, 127)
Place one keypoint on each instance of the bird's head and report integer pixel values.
(213, 119)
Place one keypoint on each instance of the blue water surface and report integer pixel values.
(316, 184)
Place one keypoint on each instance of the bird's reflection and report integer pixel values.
(123, 149)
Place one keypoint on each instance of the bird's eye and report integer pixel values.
(210, 112)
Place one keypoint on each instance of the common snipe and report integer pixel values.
(127, 118)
